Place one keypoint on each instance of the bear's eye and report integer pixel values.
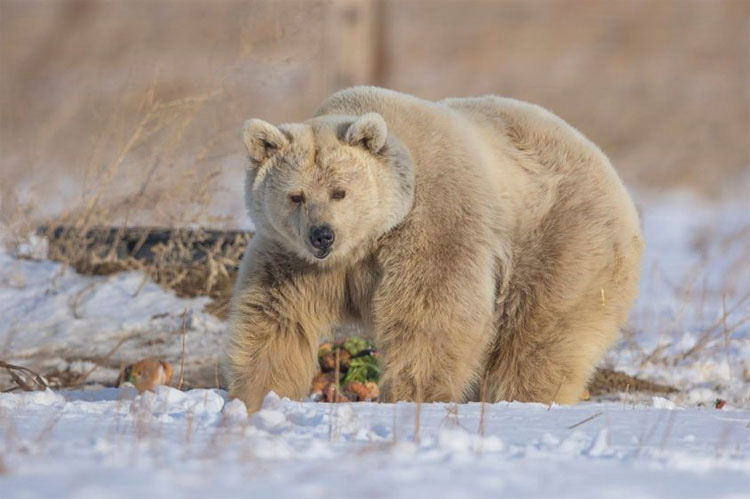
(297, 198)
(338, 194)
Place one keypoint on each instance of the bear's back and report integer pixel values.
(451, 160)
(548, 150)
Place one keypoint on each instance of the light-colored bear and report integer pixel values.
(483, 241)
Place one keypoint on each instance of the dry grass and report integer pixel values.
(182, 355)
(726, 300)
(697, 340)
(24, 378)
(607, 381)
(114, 114)
(190, 262)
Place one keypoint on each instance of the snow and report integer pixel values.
(688, 330)
(695, 282)
(61, 319)
(193, 444)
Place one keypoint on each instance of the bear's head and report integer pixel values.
(326, 189)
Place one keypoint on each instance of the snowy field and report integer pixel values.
(689, 330)
(193, 444)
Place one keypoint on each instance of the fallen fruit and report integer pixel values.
(320, 383)
(361, 391)
(358, 369)
(327, 360)
(332, 394)
(146, 374)
(374, 389)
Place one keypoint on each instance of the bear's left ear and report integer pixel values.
(369, 130)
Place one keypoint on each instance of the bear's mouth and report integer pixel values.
(321, 254)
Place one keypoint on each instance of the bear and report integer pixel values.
(487, 246)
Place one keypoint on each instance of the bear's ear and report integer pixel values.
(369, 130)
(262, 140)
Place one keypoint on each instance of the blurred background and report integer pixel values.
(129, 112)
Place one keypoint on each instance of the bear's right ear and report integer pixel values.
(262, 140)
(369, 130)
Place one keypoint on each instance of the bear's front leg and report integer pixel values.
(277, 322)
(433, 324)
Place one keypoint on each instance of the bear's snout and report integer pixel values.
(321, 237)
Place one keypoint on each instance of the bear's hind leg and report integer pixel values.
(551, 363)
(433, 350)
(431, 364)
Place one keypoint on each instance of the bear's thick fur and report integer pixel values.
(483, 241)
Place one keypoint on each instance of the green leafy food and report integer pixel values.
(363, 369)
(355, 344)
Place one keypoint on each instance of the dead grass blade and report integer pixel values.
(182, 356)
(109, 354)
(557, 390)
(720, 324)
(13, 371)
(584, 421)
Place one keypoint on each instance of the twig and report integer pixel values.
(332, 414)
(79, 296)
(395, 421)
(482, 405)
(655, 352)
(594, 416)
(552, 401)
(725, 331)
(182, 357)
(337, 377)
(418, 414)
(482, 413)
(85, 375)
(11, 368)
(720, 323)
(667, 430)
(704, 339)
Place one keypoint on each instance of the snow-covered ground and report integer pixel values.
(688, 330)
(194, 444)
(56, 320)
(690, 327)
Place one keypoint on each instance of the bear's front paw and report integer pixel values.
(252, 398)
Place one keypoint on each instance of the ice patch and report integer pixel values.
(662, 403)
(46, 398)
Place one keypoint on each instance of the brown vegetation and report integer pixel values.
(130, 113)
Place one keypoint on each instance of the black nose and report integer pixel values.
(321, 236)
